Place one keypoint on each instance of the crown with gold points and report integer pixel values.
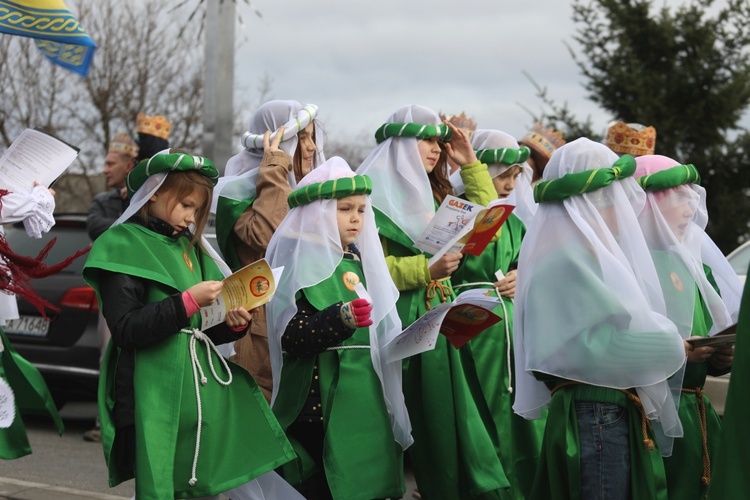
(124, 144)
(543, 140)
(158, 126)
(468, 125)
(631, 138)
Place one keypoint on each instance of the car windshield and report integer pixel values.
(740, 260)
(71, 237)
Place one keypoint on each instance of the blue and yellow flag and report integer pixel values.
(55, 30)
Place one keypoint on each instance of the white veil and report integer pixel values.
(402, 189)
(307, 244)
(241, 173)
(692, 248)
(590, 308)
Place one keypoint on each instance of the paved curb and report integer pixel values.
(26, 490)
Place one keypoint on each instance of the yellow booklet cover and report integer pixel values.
(250, 287)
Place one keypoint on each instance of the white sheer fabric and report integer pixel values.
(307, 244)
(669, 210)
(590, 308)
(241, 173)
(401, 191)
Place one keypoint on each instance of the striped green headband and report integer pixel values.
(304, 117)
(507, 156)
(336, 188)
(416, 130)
(169, 162)
(669, 178)
(583, 182)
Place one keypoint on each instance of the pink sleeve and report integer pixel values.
(191, 306)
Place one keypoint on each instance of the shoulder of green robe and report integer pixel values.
(388, 229)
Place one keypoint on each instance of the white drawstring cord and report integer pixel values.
(198, 335)
(347, 347)
(506, 325)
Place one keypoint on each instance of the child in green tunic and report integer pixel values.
(250, 203)
(179, 429)
(455, 451)
(520, 439)
(673, 223)
(339, 402)
(591, 338)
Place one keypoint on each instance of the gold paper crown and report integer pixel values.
(623, 138)
(123, 143)
(158, 126)
(461, 121)
(543, 140)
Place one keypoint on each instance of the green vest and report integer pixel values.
(239, 437)
(361, 458)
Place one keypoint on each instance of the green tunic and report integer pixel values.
(520, 439)
(166, 405)
(684, 467)
(31, 395)
(361, 458)
(455, 450)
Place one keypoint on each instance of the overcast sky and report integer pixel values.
(361, 60)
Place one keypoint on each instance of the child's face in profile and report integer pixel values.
(179, 213)
(505, 183)
(350, 213)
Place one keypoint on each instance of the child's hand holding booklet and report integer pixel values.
(250, 287)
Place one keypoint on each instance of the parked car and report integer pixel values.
(65, 349)
(740, 259)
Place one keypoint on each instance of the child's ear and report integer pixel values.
(153, 198)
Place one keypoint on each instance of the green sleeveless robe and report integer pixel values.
(520, 439)
(361, 458)
(454, 454)
(32, 396)
(684, 467)
(239, 437)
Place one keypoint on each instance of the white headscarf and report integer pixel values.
(587, 269)
(401, 188)
(241, 173)
(695, 247)
(308, 245)
(522, 196)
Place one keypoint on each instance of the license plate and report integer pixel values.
(34, 326)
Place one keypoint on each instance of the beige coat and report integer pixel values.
(252, 232)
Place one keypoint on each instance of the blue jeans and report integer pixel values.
(605, 450)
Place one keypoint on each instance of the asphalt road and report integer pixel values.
(69, 468)
(64, 467)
